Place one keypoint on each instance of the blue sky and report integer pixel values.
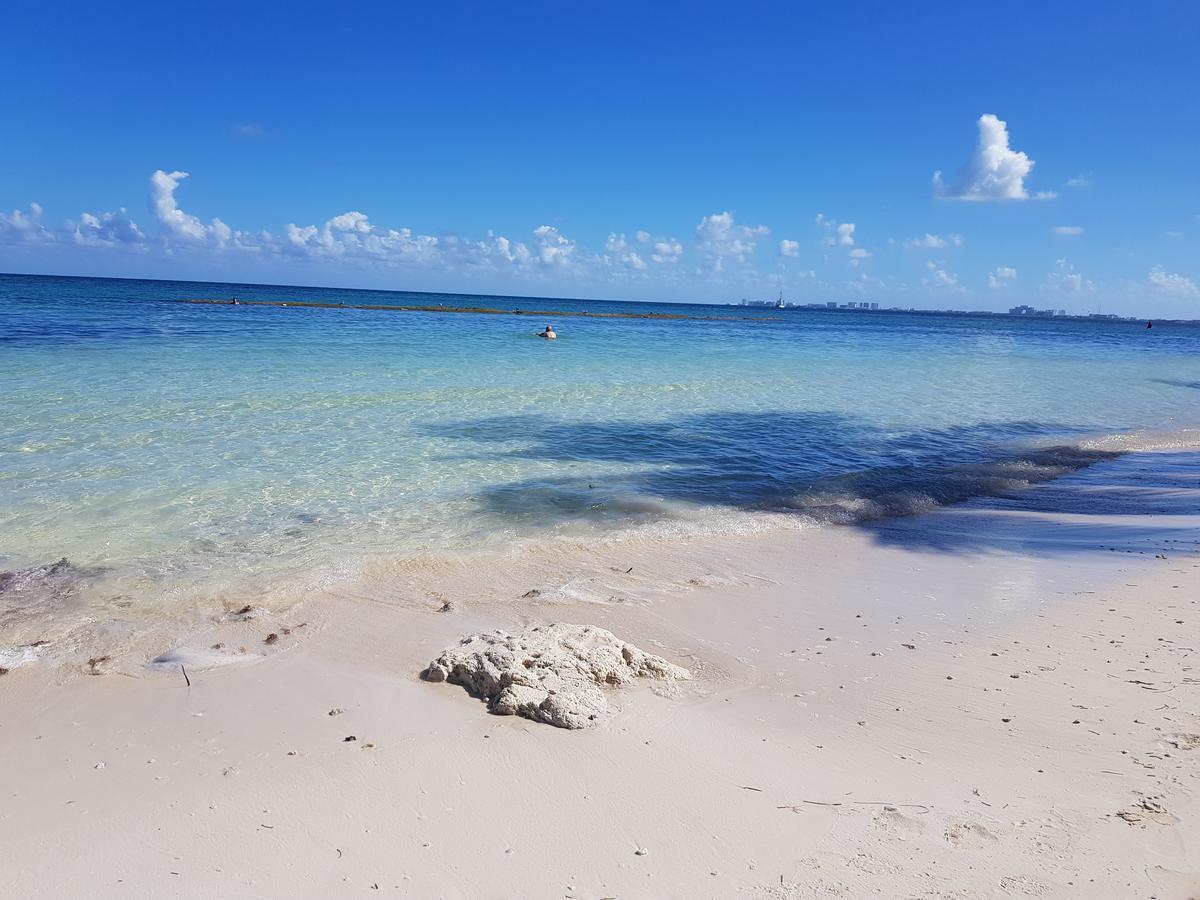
(691, 151)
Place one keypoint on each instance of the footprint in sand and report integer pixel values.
(1023, 886)
(1185, 741)
(1052, 836)
(970, 835)
(896, 823)
(1146, 811)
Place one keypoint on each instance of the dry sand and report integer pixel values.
(975, 703)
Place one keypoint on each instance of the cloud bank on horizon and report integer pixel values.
(722, 253)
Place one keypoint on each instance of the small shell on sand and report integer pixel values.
(548, 673)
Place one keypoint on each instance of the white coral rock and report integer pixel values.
(548, 673)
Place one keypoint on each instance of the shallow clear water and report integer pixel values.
(180, 444)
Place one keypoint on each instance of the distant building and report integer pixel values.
(1024, 310)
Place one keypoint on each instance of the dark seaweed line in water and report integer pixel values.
(478, 310)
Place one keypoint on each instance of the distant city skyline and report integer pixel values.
(940, 157)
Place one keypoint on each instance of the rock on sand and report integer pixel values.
(548, 673)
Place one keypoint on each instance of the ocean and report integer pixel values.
(177, 454)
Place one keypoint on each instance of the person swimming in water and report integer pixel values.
(548, 334)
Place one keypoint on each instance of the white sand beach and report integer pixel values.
(969, 704)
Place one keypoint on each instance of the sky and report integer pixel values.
(936, 155)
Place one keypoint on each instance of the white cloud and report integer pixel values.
(719, 238)
(351, 235)
(837, 234)
(174, 220)
(663, 249)
(497, 249)
(1066, 280)
(1067, 230)
(1079, 181)
(106, 229)
(624, 253)
(857, 255)
(939, 277)
(994, 172)
(1001, 277)
(19, 227)
(1174, 284)
(553, 249)
(789, 248)
(934, 242)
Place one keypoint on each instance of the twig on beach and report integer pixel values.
(760, 578)
(921, 806)
(185, 675)
(796, 807)
(746, 787)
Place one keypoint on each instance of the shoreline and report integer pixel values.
(66, 614)
(813, 754)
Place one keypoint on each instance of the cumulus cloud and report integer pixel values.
(624, 253)
(352, 234)
(663, 250)
(496, 250)
(174, 220)
(939, 277)
(106, 229)
(1173, 284)
(1067, 230)
(553, 249)
(1001, 277)
(994, 172)
(837, 234)
(1064, 279)
(23, 227)
(934, 242)
(789, 248)
(719, 238)
(858, 255)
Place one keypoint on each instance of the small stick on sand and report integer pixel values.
(185, 677)
(921, 806)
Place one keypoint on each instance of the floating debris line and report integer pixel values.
(478, 310)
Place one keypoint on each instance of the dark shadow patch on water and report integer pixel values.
(1132, 505)
(1173, 382)
(827, 467)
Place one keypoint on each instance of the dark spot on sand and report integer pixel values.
(271, 638)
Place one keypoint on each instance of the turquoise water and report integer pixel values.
(170, 444)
